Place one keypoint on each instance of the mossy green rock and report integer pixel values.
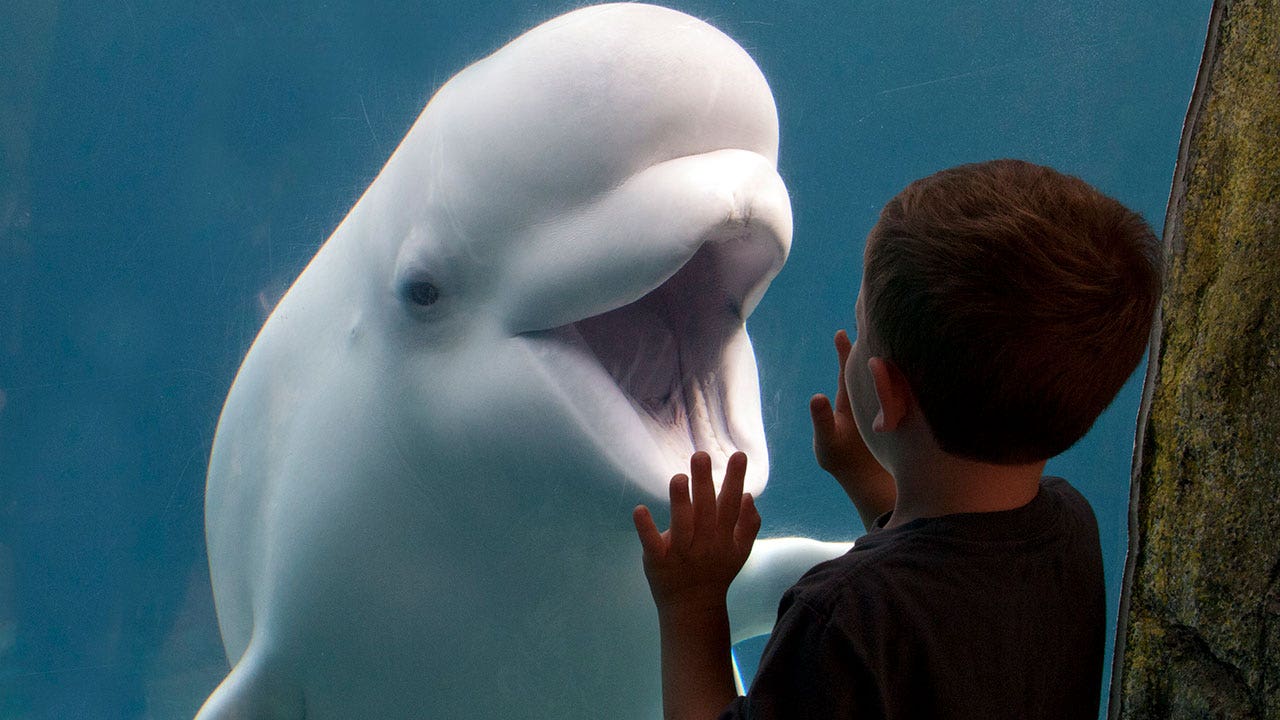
(1199, 629)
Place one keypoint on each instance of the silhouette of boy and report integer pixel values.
(1003, 305)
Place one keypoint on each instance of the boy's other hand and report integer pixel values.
(696, 559)
(841, 451)
(837, 444)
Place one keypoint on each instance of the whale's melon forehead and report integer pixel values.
(582, 102)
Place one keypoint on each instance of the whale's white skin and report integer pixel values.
(421, 509)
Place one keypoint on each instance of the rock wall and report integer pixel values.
(1199, 633)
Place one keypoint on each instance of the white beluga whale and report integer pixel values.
(419, 493)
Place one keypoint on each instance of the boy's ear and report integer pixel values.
(894, 393)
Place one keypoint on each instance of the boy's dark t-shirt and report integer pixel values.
(977, 615)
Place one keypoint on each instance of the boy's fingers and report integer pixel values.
(824, 423)
(843, 347)
(650, 538)
(704, 496)
(681, 513)
(730, 500)
(744, 533)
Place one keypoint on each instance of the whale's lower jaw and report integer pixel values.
(665, 375)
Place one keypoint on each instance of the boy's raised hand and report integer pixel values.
(837, 444)
(709, 540)
(690, 567)
(841, 451)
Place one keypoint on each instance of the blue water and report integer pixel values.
(165, 172)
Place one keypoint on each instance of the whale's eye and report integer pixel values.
(422, 292)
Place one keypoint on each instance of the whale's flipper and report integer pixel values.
(775, 565)
(249, 692)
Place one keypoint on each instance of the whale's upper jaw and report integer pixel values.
(673, 372)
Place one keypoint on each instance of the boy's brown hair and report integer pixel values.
(1015, 299)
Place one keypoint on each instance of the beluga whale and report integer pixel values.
(419, 494)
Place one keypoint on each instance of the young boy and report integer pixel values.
(1002, 306)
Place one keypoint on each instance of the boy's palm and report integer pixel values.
(840, 450)
(709, 540)
(837, 444)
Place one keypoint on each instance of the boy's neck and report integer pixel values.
(946, 485)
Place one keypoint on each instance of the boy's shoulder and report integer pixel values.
(966, 550)
(992, 615)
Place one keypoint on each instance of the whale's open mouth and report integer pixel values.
(673, 372)
(665, 352)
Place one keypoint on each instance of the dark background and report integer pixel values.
(167, 169)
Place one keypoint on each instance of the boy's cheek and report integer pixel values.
(859, 386)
